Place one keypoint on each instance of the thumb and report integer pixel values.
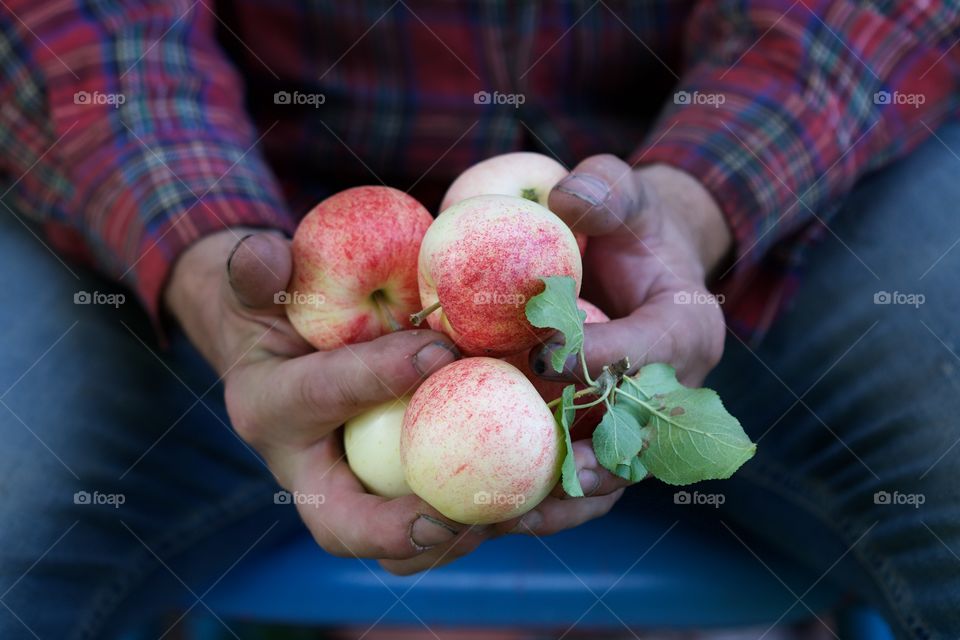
(259, 268)
(314, 394)
(599, 196)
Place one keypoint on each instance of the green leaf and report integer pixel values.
(617, 438)
(564, 417)
(556, 308)
(656, 378)
(692, 437)
(633, 472)
(652, 380)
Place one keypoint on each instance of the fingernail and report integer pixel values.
(589, 481)
(233, 252)
(542, 364)
(434, 356)
(427, 531)
(591, 189)
(528, 523)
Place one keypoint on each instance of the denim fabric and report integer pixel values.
(846, 397)
(853, 399)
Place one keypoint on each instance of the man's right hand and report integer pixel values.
(287, 401)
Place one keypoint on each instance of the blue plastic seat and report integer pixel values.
(635, 568)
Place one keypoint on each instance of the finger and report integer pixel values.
(601, 195)
(369, 373)
(348, 522)
(259, 267)
(314, 394)
(594, 479)
(554, 515)
(464, 543)
(690, 340)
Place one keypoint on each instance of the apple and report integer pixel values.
(585, 421)
(478, 442)
(524, 174)
(481, 261)
(355, 266)
(371, 441)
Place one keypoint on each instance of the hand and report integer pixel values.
(655, 236)
(558, 511)
(288, 401)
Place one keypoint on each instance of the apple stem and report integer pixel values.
(420, 316)
(589, 391)
(384, 311)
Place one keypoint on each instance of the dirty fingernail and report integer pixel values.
(542, 364)
(426, 531)
(589, 481)
(434, 356)
(233, 252)
(586, 187)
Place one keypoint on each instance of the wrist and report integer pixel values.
(194, 291)
(688, 203)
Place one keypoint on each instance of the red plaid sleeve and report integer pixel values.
(124, 134)
(784, 106)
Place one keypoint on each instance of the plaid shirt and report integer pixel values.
(129, 128)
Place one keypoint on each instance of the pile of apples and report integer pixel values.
(476, 440)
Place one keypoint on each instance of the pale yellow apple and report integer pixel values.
(371, 441)
(523, 174)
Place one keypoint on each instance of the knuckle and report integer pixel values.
(329, 543)
(550, 525)
(322, 394)
(347, 391)
(385, 551)
(244, 422)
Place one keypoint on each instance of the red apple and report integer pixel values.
(481, 261)
(479, 444)
(355, 266)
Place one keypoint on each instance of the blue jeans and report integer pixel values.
(118, 463)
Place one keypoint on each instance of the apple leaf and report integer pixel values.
(556, 308)
(692, 437)
(564, 416)
(651, 380)
(617, 438)
(656, 378)
(633, 472)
